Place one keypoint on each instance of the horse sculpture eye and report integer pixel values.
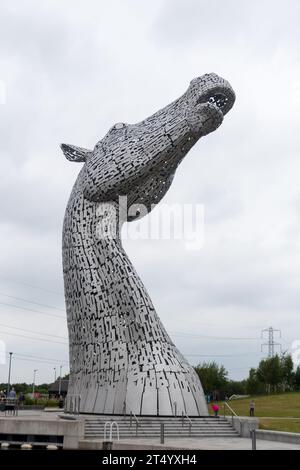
(119, 125)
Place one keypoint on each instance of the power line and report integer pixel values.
(58, 342)
(32, 302)
(32, 310)
(33, 287)
(32, 338)
(35, 361)
(65, 343)
(64, 337)
(233, 338)
(179, 334)
(32, 331)
(183, 334)
(221, 355)
(59, 361)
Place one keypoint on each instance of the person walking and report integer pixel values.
(21, 399)
(12, 394)
(215, 408)
(252, 408)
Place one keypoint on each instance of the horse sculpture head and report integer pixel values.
(139, 160)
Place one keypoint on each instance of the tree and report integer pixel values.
(253, 385)
(212, 376)
(287, 366)
(297, 378)
(234, 387)
(270, 373)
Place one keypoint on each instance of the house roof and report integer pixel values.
(55, 386)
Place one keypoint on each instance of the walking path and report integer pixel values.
(206, 443)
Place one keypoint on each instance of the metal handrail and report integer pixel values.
(111, 425)
(162, 433)
(9, 401)
(184, 415)
(137, 423)
(230, 409)
(132, 415)
(107, 423)
(9, 405)
(233, 413)
(252, 431)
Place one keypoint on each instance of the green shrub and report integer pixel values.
(46, 402)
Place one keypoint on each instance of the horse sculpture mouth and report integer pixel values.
(221, 99)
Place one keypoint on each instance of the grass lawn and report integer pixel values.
(288, 425)
(283, 405)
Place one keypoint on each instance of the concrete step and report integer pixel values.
(151, 427)
(199, 428)
(167, 428)
(196, 436)
(157, 432)
(166, 424)
(152, 434)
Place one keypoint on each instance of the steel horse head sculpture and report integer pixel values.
(121, 357)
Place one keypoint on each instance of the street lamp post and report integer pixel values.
(54, 374)
(59, 386)
(9, 371)
(34, 373)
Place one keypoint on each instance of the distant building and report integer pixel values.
(53, 389)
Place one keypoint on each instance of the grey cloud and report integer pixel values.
(259, 26)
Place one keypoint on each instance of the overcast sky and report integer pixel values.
(71, 69)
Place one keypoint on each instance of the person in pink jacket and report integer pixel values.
(215, 408)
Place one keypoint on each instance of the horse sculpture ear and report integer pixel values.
(75, 154)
